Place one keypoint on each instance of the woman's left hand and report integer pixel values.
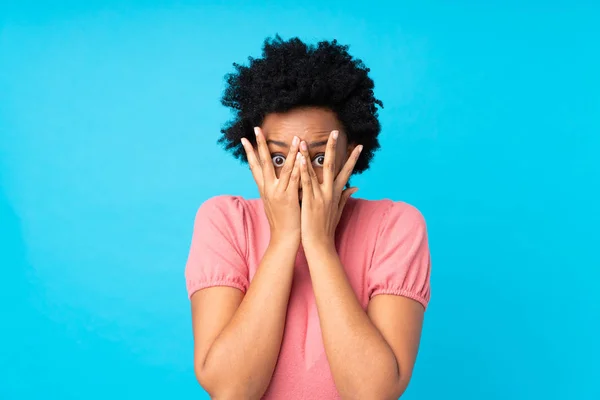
(323, 203)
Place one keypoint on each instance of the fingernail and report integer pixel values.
(298, 155)
(360, 147)
(335, 134)
(256, 130)
(303, 160)
(295, 141)
(303, 146)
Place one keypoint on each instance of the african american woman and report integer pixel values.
(305, 293)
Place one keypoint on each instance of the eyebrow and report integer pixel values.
(310, 145)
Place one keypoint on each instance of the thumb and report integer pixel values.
(346, 195)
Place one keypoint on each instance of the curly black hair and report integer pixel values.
(292, 74)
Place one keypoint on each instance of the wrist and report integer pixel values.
(290, 240)
(319, 245)
(320, 253)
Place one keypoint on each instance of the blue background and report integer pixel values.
(109, 114)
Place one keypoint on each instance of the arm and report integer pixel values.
(238, 337)
(370, 355)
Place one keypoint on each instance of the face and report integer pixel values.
(312, 125)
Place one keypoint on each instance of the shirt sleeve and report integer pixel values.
(401, 261)
(217, 255)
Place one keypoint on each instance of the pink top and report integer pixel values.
(382, 245)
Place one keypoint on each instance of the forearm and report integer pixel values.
(362, 363)
(242, 359)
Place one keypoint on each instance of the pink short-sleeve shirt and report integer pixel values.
(381, 244)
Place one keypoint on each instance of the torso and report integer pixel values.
(302, 370)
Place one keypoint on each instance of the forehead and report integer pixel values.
(306, 123)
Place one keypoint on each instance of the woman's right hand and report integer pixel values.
(279, 195)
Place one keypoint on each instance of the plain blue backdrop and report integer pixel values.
(109, 116)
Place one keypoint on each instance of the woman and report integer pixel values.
(305, 293)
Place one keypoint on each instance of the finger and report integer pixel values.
(311, 171)
(288, 167)
(307, 187)
(253, 162)
(329, 163)
(343, 200)
(264, 156)
(344, 175)
(295, 176)
(345, 196)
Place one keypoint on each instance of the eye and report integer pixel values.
(278, 160)
(319, 160)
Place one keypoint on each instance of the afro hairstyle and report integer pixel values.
(292, 74)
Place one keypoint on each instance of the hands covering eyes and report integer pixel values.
(322, 203)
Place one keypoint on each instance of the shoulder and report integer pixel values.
(229, 210)
(389, 212)
(221, 203)
(224, 208)
(227, 203)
